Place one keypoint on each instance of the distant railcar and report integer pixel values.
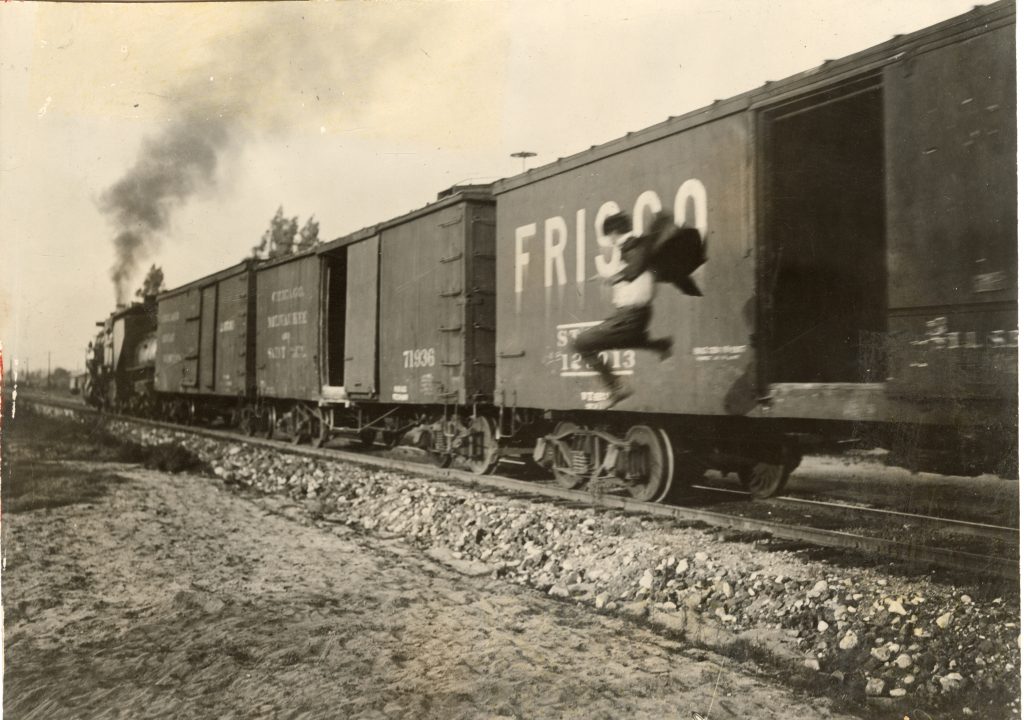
(287, 351)
(205, 361)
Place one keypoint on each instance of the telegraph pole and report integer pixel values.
(47, 369)
(523, 154)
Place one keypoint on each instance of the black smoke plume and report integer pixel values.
(171, 167)
(257, 78)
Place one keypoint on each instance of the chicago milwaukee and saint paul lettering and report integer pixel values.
(286, 319)
(287, 294)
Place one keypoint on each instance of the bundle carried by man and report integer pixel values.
(670, 252)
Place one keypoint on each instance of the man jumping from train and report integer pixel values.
(632, 294)
(664, 254)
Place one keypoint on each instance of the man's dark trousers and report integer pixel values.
(626, 329)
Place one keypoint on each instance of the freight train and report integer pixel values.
(859, 224)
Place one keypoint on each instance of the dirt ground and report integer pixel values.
(170, 596)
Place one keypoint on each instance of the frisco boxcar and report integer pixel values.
(859, 222)
(204, 364)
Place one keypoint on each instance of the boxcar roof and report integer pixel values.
(207, 279)
(361, 234)
(453, 199)
(281, 260)
(975, 21)
(471, 193)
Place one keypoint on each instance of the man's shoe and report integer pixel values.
(617, 395)
(664, 349)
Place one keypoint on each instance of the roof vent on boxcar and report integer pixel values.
(456, 189)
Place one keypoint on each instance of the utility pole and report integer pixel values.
(47, 369)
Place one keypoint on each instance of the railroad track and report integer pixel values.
(1001, 533)
(1004, 565)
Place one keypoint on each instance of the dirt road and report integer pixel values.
(169, 596)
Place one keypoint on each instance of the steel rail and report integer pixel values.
(906, 552)
(976, 529)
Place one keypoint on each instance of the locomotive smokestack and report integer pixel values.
(171, 167)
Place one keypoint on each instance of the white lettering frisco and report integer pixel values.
(689, 209)
(285, 319)
(287, 294)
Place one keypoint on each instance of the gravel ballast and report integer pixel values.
(903, 642)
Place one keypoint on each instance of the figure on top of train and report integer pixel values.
(665, 253)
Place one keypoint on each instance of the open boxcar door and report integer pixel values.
(823, 273)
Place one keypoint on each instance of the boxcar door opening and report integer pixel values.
(824, 244)
(336, 280)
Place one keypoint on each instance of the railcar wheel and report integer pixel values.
(248, 422)
(428, 444)
(269, 417)
(486, 459)
(763, 479)
(561, 465)
(323, 435)
(301, 426)
(670, 471)
(649, 463)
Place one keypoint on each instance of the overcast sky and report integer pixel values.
(352, 111)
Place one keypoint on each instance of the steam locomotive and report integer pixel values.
(859, 224)
(119, 360)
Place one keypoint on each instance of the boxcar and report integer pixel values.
(287, 321)
(859, 222)
(205, 360)
(410, 308)
(437, 304)
(383, 331)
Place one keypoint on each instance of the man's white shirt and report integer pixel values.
(637, 292)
